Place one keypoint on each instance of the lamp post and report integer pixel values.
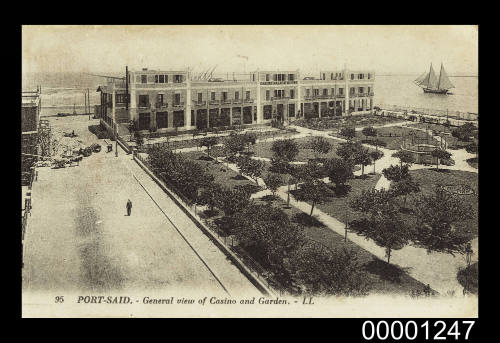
(116, 141)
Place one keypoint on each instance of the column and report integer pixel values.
(299, 96)
(133, 102)
(346, 91)
(187, 107)
(152, 122)
(259, 107)
(113, 106)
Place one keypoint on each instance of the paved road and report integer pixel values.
(80, 239)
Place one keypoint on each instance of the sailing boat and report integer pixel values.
(431, 84)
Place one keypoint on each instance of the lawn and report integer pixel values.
(338, 207)
(305, 153)
(429, 179)
(382, 278)
(392, 136)
(222, 174)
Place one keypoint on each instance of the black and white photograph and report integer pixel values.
(250, 171)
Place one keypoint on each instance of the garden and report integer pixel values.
(298, 253)
(387, 137)
(464, 136)
(336, 123)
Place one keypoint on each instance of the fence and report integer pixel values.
(431, 112)
(227, 243)
(27, 207)
(195, 142)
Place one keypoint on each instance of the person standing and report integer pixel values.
(129, 207)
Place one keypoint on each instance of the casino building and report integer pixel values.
(176, 101)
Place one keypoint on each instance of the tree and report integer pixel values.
(339, 171)
(273, 181)
(405, 157)
(324, 271)
(209, 196)
(375, 156)
(464, 132)
(268, 235)
(208, 142)
(369, 131)
(232, 201)
(285, 169)
(234, 144)
(249, 138)
(186, 176)
(314, 191)
(438, 216)
(405, 187)
(251, 167)
(320, 145)
(285, 149)
(396, 173)
(349, 151)
(382, 222)
(348, 132)
(363, 157)
(440, 154)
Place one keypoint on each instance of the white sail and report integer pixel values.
(432, 80)
(429, 81)
(444, 82)
(421, 78)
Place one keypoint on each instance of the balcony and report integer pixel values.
(248, 101)
(277, 98)
(323, 96)
(340, 96)
(161, 105)
(144, 105)
(237, 101)
(370, 94)
(179, 104)
(226, 102)
(200, 103)
(214, 102)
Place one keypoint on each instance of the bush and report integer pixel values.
(468, 278)
(374, 142)
(187, 177)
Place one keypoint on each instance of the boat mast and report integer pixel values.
(440, 71)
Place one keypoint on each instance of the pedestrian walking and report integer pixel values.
(129, 207)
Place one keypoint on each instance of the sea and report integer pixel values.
(61, 92)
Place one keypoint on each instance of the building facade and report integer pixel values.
(175, 101)
(30, 120)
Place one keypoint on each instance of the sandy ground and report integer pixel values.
(79, 237)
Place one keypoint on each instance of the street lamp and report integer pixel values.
(116, 141)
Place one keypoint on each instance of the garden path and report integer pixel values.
(439, 270)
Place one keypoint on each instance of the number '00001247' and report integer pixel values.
(397, 330)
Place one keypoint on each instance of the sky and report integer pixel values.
(383, 49)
